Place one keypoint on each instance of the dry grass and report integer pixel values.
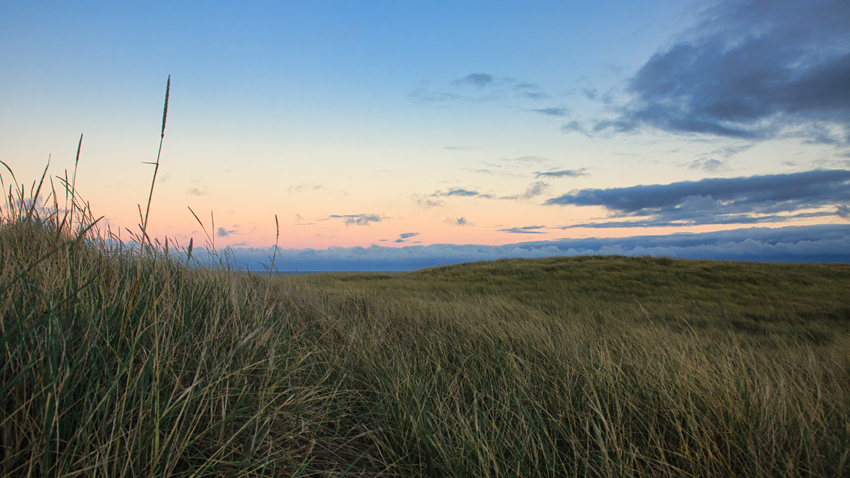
(585, 366)
(121, 360)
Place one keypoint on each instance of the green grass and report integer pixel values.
(584, 366)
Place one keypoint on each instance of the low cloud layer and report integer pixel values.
(744, 200)
(822, 243)
(753, 70)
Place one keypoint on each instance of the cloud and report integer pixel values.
(405, 236)
(710, 165)
(822, 243)
(569, 173)
(479, 87)
(357, 219)
(575, 127)
(301, 187)
(523, 230)
(720, 200)
(749, 70)
(222, 232)
(475, 79)
(196, 192)
(532, 190)
(561, 111)
(729, 151)
(535, 189)
(529, 159)
(424, 95)
(461, 192)
(458, 221)
(696, 220)
(458, 148)
(427, 202)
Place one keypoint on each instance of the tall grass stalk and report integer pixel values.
(156, 164)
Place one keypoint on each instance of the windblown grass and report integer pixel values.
(586, 366)
(128, 360)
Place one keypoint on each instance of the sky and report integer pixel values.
(392, 135)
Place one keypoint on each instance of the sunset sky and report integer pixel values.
(390, 135)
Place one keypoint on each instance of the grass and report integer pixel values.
(584, 366)
(119, 360)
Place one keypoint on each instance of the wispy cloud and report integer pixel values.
(478, 87)
(300, 220)
(222, 232)
(560, 111)
(751, 70)
(196, 192)
(357, 219)
(461, 192)
(531, 91)
(531, 191)
(529, 160)
(424, 95)
(563, 173)
(535, 189)
(479, 80)
(524, 230)
(405, 236)
(428, 202)
(301, 187)
(743, 200)
(707, 164)
(458, 221)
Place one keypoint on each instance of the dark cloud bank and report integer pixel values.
(743, 200)
(821, 243)
(752, 69)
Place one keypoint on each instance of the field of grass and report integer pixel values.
(135, 359)
(116, 364)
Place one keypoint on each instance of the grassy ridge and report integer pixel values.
(589, 366)
(806, 300)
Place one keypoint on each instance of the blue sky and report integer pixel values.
(400, 128)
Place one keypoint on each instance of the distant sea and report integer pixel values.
(303, 273)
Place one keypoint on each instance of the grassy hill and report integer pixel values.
(116, 365)
(804, 300)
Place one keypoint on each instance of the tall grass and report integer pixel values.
(196, 377)
(587, 366)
